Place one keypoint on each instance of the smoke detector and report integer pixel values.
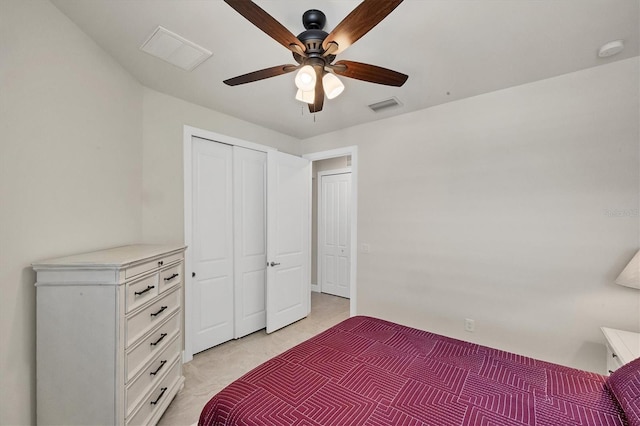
(611, 48)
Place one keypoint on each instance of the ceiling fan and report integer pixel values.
(314, 50)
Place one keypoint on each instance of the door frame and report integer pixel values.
(188, 133)
(320, 239)
(353, 152)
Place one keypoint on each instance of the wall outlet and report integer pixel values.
(366, 248)
(469, 325)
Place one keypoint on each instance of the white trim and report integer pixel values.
(229, 140)
(315, 288)
(353, 152)
(187, 135)
(320, 240)
(335, 171)
(187, 354)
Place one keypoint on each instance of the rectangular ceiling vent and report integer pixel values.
(174, 49)
(387, 103)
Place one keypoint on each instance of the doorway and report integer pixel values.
(340, 159)
(331, 253)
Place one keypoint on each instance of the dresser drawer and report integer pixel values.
(151, 375)
(142, 353)
(170, 277)
(157, 397)
(141, 322)
(141, 291)
(149, 266)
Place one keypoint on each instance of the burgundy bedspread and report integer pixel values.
(366, 371)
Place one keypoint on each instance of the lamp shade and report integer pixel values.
(630, 275)
(332, 85)
(308, 97)
(306, 78)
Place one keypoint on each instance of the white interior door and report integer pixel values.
(250, 242)
(288, 297)
(335, 234)
(212, 239)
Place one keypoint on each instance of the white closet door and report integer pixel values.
(288, 239)
(335, 234)
(212, 239)
(250, 246)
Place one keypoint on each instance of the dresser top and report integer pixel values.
(626, 344)
(116, 257)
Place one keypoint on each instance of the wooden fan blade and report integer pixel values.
(318, 102)
(370, 73)
(360, 21)
(267, 23)
(261, 74)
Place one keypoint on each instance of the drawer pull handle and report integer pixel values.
(149, 287)
(162, 363)
(171, 277)
(614, 355)
(155, 314)
(160, 263)
(162, 336)
(610, 371)
(159, 396)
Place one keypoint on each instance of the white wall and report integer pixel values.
(70, 170)
(497, 208)
(164, 120)
(79, 136)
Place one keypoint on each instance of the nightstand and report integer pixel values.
(622, 347)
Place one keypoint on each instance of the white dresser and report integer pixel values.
(109, 335)
(622, 347)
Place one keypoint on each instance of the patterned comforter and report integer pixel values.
(366, 371)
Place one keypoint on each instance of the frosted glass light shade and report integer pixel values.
(332, 86)
(630, 275)
(307, 97)
(306, 78)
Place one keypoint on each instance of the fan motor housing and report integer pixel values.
(312, 39)
(314, 21)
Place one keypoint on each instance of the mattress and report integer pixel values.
(367, 371)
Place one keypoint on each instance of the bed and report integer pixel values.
(367, 371)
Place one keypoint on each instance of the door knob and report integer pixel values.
(274, 264)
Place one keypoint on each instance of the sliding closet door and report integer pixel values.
(212, 239)
(250, 240)
(249, 209)
(288, 239)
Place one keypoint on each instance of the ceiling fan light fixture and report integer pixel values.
(307, 97)
(306, 78)
(332, 86)
(315, 50)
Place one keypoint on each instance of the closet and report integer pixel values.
(248, 272)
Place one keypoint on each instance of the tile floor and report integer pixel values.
(215, 368)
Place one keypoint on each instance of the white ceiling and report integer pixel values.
(451, 49)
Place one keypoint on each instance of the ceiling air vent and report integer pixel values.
(174, 49)
(387, 103)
